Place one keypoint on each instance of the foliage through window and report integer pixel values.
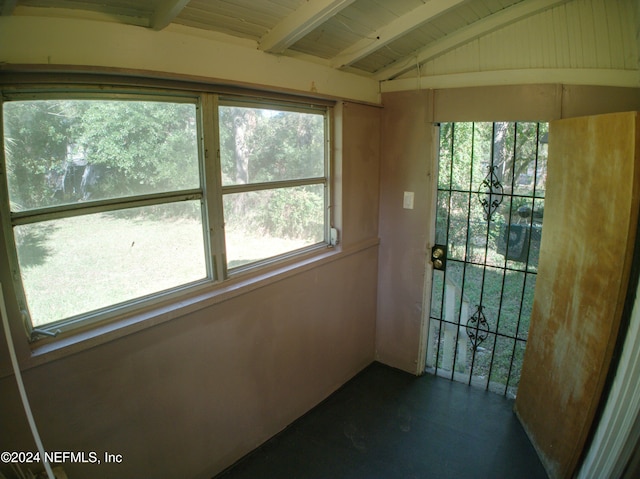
(112, 201)
(273, 180)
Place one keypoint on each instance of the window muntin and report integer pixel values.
(274, 180)
(152, 194)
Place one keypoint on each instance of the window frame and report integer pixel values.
(243, 102)
(210, 193)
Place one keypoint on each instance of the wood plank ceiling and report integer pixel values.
(381, 39)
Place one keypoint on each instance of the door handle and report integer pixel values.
(439, 257)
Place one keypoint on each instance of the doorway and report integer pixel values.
(489, 215)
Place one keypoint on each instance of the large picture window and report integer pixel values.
(113, 201)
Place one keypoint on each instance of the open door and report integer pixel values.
(591, 214)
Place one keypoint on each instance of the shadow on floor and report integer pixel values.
(388, 424)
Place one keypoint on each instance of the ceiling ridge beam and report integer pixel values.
(393, 30)
(302, 21)
(467, 34)
(166, 12)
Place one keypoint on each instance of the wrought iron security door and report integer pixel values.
(490, 207)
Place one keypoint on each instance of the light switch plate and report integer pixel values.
(407, 203)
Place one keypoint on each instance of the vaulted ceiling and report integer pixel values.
(381, 39)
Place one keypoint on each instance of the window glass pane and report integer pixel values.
(267, 223)
(66, 151)
(259, 145)
(75, 265)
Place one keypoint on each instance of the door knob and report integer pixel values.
(439, 256)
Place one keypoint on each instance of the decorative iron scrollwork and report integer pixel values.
(477, 328)
(490, 193)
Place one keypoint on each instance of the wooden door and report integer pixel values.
(590, 220)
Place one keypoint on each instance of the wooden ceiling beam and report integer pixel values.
(302, 21)
(166, 12)
(400, 26)
(469, 33)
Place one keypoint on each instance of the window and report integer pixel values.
(113, 200)
(273, 181)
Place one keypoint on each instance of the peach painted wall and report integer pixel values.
(404, 233)
(188, 397)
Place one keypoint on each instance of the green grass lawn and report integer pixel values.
(507, 313)
(81, 264)
(245, 247)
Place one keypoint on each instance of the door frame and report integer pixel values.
(431, 241)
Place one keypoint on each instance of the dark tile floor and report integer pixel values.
(388, 424)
